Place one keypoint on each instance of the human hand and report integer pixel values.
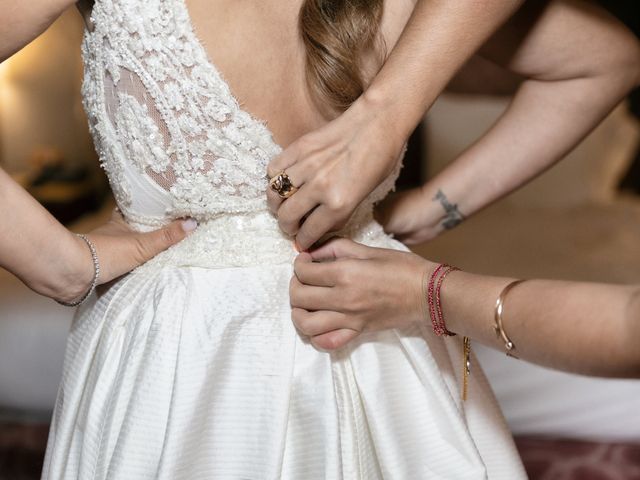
(344, 289)
(410, 216)
(418, 215)
(120, 250)
(335, 168)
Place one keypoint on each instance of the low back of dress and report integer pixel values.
(171, 136)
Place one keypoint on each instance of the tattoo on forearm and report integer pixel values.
(453, 217)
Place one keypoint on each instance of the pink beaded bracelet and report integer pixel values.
(434, 301)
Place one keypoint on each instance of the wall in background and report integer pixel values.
(40, 103)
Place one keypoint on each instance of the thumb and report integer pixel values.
(152, 243)
(335, 339)
(340, 248)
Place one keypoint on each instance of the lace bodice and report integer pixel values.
(170, 135)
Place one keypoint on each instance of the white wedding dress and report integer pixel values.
(190, 367)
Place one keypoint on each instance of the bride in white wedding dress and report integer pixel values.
(190, 366)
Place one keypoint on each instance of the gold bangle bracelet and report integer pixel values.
(509, 346)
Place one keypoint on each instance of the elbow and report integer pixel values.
(629, 68)
(622, 66)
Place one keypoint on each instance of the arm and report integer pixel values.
(53, 261)
(564, 95)
(365, 142)
(587, 328)
(33, 245)
(437, 41)
(22, 21)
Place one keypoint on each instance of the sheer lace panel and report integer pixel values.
(159, 109)
(128, 102)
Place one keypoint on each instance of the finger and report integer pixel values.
(341, 248)
(287, 158)
(315, 274)
(295, 208)
(315, 226)
(409, 238)
(311, 297)
(334, 340)
(297, 177)
(273, 200)
(317, 323)
(416, 237)
(152, 243)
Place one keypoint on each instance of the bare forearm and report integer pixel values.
(38, 249)
(585, 328)
(545, 121)
(565, 95)
(367, 139)
(439, 38)
(22, 21)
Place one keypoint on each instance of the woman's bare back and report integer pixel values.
(258, 49)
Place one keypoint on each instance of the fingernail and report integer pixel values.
(189, 225)
(299, 248)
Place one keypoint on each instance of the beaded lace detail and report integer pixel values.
(171, 136)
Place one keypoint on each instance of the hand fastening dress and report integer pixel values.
(190, 367)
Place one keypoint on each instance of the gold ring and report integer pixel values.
(281, 184)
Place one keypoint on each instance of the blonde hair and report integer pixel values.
(336, 34)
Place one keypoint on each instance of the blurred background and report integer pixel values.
(579, 221)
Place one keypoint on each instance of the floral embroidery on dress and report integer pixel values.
(165, 110)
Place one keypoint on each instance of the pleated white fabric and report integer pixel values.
(198, 373)
(190, 367)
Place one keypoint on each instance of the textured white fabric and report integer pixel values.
(190, 367)
(538, 401)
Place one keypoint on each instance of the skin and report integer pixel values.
(342, 290)
(563, 94)
(54, 262)
(277, 63)
(365, 142)
(63, 269)
(35, 247)
(24, 21)
(610, 68)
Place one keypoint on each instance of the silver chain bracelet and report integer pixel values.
(96, 275)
